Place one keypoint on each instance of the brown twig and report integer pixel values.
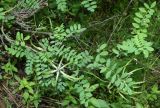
(95, 23)
(36, 32)
(10, 95)
(119, 21)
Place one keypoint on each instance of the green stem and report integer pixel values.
(96, 77)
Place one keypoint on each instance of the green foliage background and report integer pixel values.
(79, 53)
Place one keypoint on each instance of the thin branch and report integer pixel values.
(10, 94)
(119, 21)
(102, 22)
(36, 32)
(12, 41)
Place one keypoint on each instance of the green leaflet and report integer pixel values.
(2, 14)
(61, 5)
(99, 103)
(90, 5)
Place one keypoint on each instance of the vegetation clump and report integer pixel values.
(78, 54)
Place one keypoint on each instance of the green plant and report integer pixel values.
(47, 70)
(20, 40)
(116, 75)
(154, 93)
(120, 78)
(18, 46)
(61, 5)
(84, 89)
(61, 34)
(29, 96)
(9, 68)
(99, 103)
(63, 57)
(138, 43)
(90, 5)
